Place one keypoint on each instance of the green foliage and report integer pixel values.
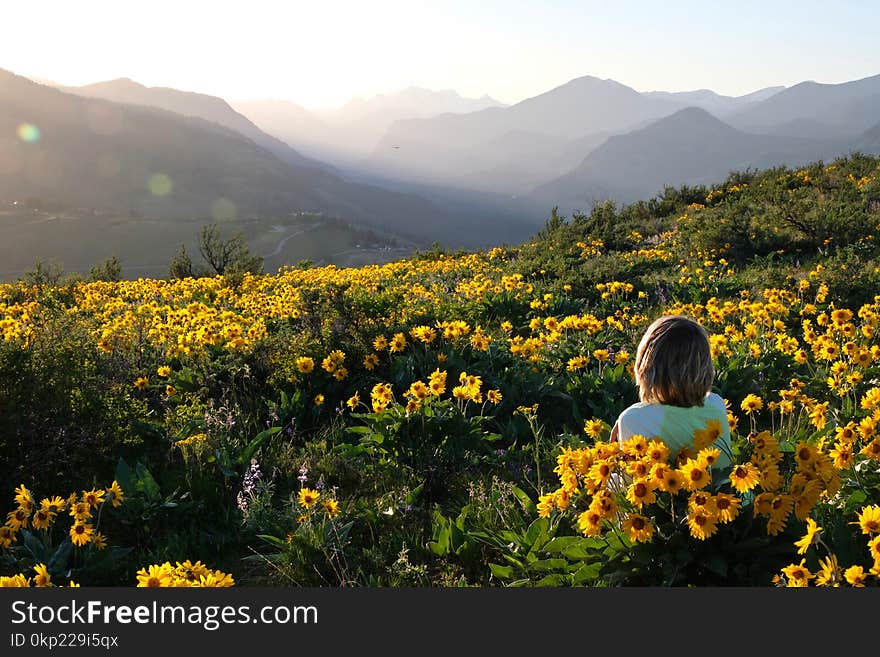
(109, 270)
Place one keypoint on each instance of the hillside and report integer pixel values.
(838, 110)
(691, 147)
(869, 142)
(444, 146)
(347, 134)
(445, 420)
(93, 153)
(714, 103)
(210, 108)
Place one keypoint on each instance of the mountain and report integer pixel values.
(412, 102)
(689, 147)
(520, 160)
(348, 134)
(292, 123)
(810, 108)
(869, 142)
(93, 153)
(186, 103)
(443, 147)
(712, 102)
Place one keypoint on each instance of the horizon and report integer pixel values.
(322, 57)
(392, 92)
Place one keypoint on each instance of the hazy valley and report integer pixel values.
(119, 168)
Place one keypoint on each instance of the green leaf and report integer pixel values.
(414, 494)
(273, 540)
(856, 500)
(589, 572)
(527, 504)
(58, 561)
(585, 548)
(501, 572)
(255, 444)
(359, 430)
(124, 476)
(35, 546)
(548, 564)
(551, 580)
(536, 530)
(560, 543)
(146, 484)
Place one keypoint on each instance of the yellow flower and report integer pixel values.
(694, 475)
(398, 343)
(42, 578)
(93, 497)
(53, 505)
(797, 575)
(7, 536)
(673, 481)
(752, 403)
(705, 437)
(371, 361)
(353, 401)
(744, 477)
(140, 383)
(308, 497)
(638, 528)
(702, 524)
(331, 507)
(809, 538)
(17, 519)
(590, 522)
(727, 507)
(42, 518)
(641, 492)
(305, 364)
(494, 396)
(546, 504)
(81, 533)
(856, 576)
(114, 494)
(99, 540)
(319, 399)
(869, 520)
(154, 576)
(829, 572)
(163, 371)
(657, 452)
(24, 498)
(594, 428)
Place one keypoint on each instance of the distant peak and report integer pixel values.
(690, 117)
(118, 82)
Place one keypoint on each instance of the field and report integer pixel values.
(78, 240)
(444, 420)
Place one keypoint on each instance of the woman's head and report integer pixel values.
(673, 362)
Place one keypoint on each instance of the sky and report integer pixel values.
(321, 53)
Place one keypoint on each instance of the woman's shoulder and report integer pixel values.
(715, 399)
(639, 409)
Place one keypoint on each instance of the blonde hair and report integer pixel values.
(674, 363)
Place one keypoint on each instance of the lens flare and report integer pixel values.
(224, 210)
(160, 184)
(29, 133)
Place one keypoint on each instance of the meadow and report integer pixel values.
(74, 240)
(443, 420)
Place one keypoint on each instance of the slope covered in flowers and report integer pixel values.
(445, 419)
